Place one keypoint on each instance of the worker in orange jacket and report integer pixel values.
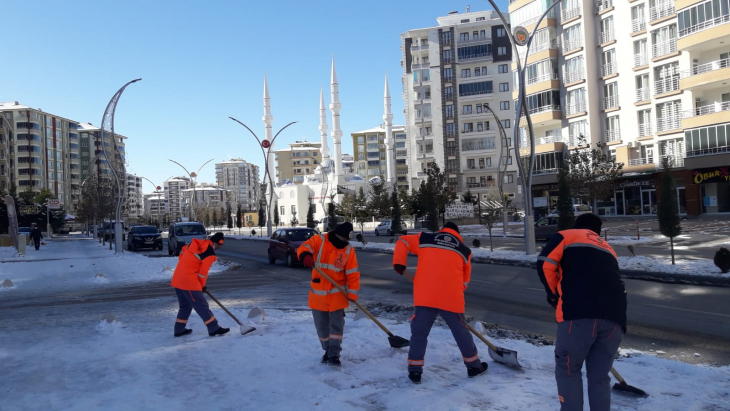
(189, 281)
(442, 275)
(331, 253)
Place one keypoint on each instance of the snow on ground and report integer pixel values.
(76, 361)
(73, 262)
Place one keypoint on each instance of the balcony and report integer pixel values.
(666, 85)
(448, 79)
(706, 115)
(482, 184)
(645, 129)
(476, 57)
(478, 147)
(574, 141)
(609, 69)
(421, 47)
(476, 40)
(638, 25)
(544, 109)
(674, 161)
(451, 151)
(610, 102)
(661, 11)
(548, 140)
(642, 94)
(575, 108)
(540, 79)
(634, 162)
(572, 44)
(607, 36)
(664, 48)
(537, 48)
(687, 31)
(602, 5)
(670, 123)
(478, 168)
(641, 59)
(705, 75)
(709, 151)
(476, 93)
(567, 14)
(545, 171)
(612, 135)
(573, 76)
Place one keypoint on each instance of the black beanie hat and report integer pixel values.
(589, 221)
(345, 230)
(452, 226)
(217, 238)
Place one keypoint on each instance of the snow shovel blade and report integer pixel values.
(359, 315)
(245, 329)
(398, 342)
(505, 356)
(630, 389)
(256, 314)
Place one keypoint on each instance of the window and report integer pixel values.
(481, 19)
(466, 109)
(468, 127)
(501, 51)
(465, 73)
(573, 70)
(701, 16)
(505, 124)
(477, 72)
(480, 127)
(475, 35)
(361, 140)
(446, 37)
(479, 108)
(503, 68)
(448, 56)
(449, 111)
(425, 75)
(282, 211)
(503, 87)
(450, 130)
(472, 52)
(449, 93)
(473, 89)
(504, 105)
(448, 74)
(509, 178)
(464, 37)
(501, 32)
(465, 20)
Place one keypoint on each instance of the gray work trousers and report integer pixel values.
(595, 342)
(330, 327)
(421, 324)
(194, 300)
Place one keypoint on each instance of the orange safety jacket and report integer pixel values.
(192, 268)
(340, 265)
(443, 271)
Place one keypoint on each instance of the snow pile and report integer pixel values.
(664, 265)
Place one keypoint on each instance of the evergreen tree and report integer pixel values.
(593, 172)
(668, 209)
(276, 214)
(395, 216)
(222, 218)
(331, 214)
(230, 217)
(379, 201)
(206, 217)
(262, 215)
(239, 218)
(214, 218)
(566, 215)
(310, 213)
(362, 212)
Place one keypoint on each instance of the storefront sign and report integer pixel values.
(711, 175)
(545, 187)
(637, 183)
(460, 210)
(539, 202)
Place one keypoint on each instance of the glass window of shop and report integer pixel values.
(638, 197)
(714, 188)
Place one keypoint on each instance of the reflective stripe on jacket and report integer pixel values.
(340, 265)
(582, 269)
(444, 268)
(193, 265)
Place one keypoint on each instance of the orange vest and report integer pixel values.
(444, 268)
(193, 265)
(340, 265)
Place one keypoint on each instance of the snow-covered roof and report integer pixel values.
(380, 129)
(91, 127)
(14, 105)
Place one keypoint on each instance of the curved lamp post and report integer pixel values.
(193, 178)
(158, 190)
(502, 168)
(525, 175)
(265, 147)
(107, 123)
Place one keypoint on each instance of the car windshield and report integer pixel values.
(193, 229)
(145, 230)
(582, 207)
(300, 235)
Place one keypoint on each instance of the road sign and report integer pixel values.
(28, 209)
(54, 204)
(521, 35)
(266, 144)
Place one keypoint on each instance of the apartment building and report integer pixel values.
(370, 152)
(296, 161)
(173, 192)
(133, 209)
(205, 196)
(632, 76)
(241, 180)
(155, 206)
(452, 74)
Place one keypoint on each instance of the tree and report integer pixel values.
(348, 206)
(434, 195)
(230, 217)
(362, 212)
(331, 214)
(294, 222)
(239, 216)
(379, 201)
(469, 198)
(491, 214)
(405, 201)
(418, 208)
(310, 213)
(593, 172)
(262, 215)
(668, 209)
(395, 216)
(222, 218)
(214, 218)
(276, 214)
(566, 215)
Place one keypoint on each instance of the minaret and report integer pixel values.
(336, 132)
(268, 120)
(389, 143)
(325, 149)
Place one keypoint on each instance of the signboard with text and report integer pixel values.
(28, 209)
(460, 209)
(54, 204)
(711, 175)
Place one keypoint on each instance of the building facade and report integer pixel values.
(296, 161)
(134, 201)
(155, 206)
(451, 74)
(241, 180)
(211, 196)
(370, 153)
(173, 192)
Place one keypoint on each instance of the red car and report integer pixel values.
(284, 243)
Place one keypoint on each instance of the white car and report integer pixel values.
(578, 209)
(386, 229)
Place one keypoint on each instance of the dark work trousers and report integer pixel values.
(330, 327)
(190, 300)
(595, 342)
(420, 328)
(37, 244)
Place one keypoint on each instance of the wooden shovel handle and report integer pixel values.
(344, 292)
(224, 308)
(469, 327)
(617, 376)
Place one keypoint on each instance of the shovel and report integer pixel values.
(394, 340)
(244, 328)
(498, 354)
(622, 386)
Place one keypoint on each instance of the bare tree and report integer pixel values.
(593, 172)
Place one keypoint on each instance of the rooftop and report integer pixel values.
(14, 105)
(381, 129)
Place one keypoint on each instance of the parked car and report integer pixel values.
(284, 243)
(109, 230)
(144, 236)
(578, 209)
(546, 227)
(386, 228)
(323, 225)
(183, 233)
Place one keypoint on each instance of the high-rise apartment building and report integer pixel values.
(370, 152)
(633, 76)
(173, 192)
(241, 180)
(155, 206)
(133, 208)
(296, 161)
(451, 73)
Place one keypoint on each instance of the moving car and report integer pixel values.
(546, 227)
(284, 243)
(386, 228)
(144, 236)
(578, 209)
(183, 233)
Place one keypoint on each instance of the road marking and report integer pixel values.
(688, 310)
(481, 281)
(535, 289)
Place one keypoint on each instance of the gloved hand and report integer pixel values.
(205, 289)
(399, 268)
(308, 260)
(552, 299)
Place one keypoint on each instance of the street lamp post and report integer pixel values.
(525, 177)
(158, 191)
(503, 168)
(266, 146)
(193, 178)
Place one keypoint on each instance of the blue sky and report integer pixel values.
(204, 61)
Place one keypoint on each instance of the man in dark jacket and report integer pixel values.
(36, 236)
(581, 277)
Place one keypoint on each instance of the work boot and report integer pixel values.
(334, 361)
(185, 332)
(415, 377)
(219, 331)
(325, 358)
(473, 372)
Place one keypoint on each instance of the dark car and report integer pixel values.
(284, 243)
(546, 227)
(144, 236)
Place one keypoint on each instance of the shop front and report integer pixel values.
(714, 187)
(544, 198)
(638, 196)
